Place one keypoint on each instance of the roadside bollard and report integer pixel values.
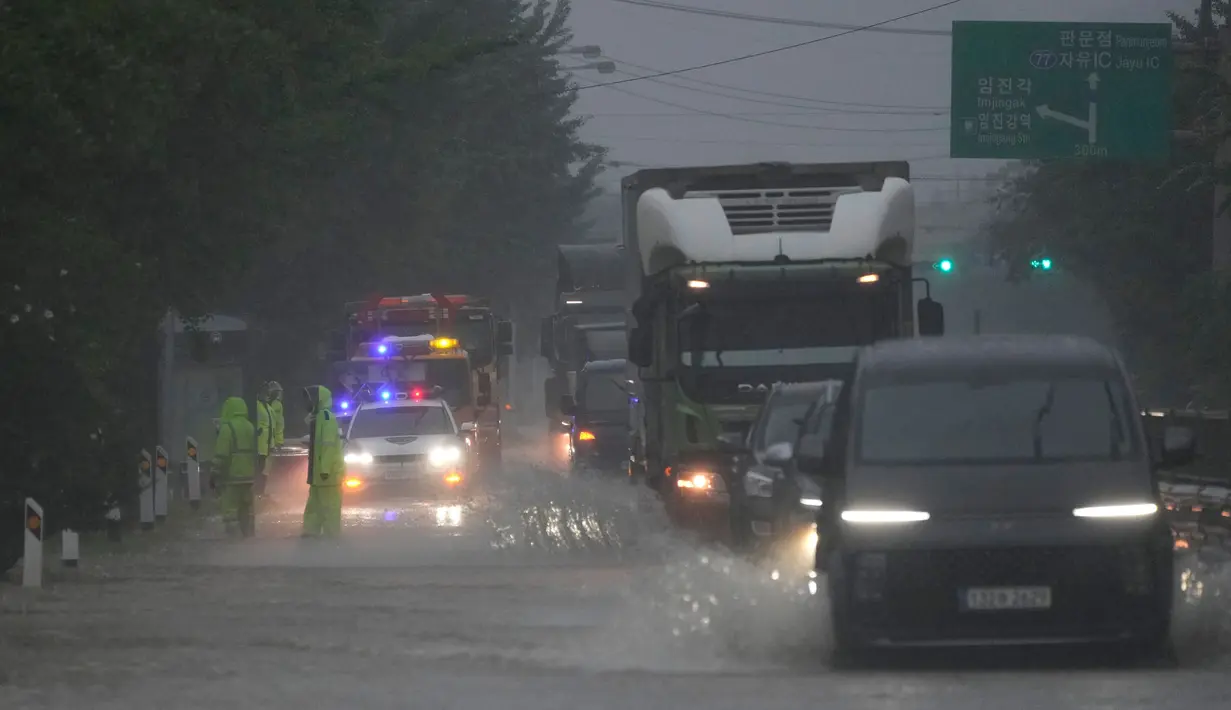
(115, 519)
(160, 484)
(146, 478)
(194, 475)
(70, 548)
(32, 569)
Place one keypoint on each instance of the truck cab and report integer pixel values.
(588, 321)
(741, 277)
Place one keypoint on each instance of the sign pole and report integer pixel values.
(32, 569)
(194, 475)
(145, 477)
(160, 484)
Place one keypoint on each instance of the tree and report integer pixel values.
(261, 158)
(1140, 234)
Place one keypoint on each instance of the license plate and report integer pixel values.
(1004, 598)
(401, 473)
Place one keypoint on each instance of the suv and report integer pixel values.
(993, 490)
(599, 418)
(406, 442)
(776, 502)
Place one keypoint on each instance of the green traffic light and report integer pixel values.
(1044, 264)
(944, 265)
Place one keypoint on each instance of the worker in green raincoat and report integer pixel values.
(264, 439)
(234, 467)
(323, 513)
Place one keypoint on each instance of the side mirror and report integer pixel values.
(779, 454)
(504, 333)
(640, 347)
(811, 453)
(547, 337)
(931, 317)
(730, 443)
(567, 406)
(467, 427)
(1179, 447)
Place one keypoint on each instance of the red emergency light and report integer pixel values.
(416, 393)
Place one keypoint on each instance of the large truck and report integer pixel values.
(487, 342)
(740, 277)
(588, 322)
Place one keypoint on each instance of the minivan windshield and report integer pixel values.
(971, 420)
(603, 392)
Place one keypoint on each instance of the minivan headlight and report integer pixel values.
(881, 517)
(1132, 510)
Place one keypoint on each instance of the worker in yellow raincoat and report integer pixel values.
(264, 440)
(234, 467)
(323, 513)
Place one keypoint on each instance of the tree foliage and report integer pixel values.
(1141, 234)
(267, 159)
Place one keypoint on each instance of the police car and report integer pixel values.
(408, 440)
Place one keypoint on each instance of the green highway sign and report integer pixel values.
(1031, 90)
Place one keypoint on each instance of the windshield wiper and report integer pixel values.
(1039, 416)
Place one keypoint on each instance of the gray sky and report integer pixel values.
(901, 70)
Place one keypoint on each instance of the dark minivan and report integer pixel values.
(993, 490)
(598, 437)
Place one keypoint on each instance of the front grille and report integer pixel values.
(807, 209)
(1092, 587)
(398, 458)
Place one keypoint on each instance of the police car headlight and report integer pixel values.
(361, 458)
(758, 485)
(444, 455)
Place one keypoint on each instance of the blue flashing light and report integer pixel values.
(385, 395)
(382, 349)
(344, 404)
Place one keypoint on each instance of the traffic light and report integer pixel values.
(1041, 264)
(944, 265)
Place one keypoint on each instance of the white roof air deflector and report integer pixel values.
(767, 210)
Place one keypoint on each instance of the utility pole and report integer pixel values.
(1213, 39)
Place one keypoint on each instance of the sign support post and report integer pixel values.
(145, 477)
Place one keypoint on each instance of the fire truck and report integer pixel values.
(452, 341)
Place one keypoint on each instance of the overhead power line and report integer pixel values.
(732, 117)
(784, 48)
(723, 141)
(767, 19)
(654, 72)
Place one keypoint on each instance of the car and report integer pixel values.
(405, 443)
(599, 417)
(777, 503)
(993, 490)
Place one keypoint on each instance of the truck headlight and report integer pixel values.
(757, 485)
(444, 455)
(705, 481)
(361, 458)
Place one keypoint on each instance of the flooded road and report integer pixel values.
(534, 590)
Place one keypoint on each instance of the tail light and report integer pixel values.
(453, 478)
(585, 436)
